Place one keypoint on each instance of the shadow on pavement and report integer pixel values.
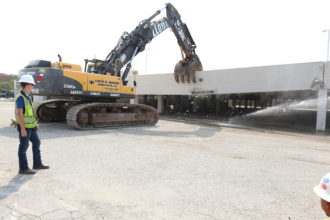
(61, 130)
(293, 121)
(202, 131)
(8, 132)
(13, 185)
(272, 120)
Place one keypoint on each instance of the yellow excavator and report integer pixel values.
(88, 98)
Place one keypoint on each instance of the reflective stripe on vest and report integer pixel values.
(30, 120)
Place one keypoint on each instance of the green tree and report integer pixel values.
(8, 85)
(4, 86)
(12, 81)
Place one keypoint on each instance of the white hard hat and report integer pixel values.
(27, 79)
(323, 189)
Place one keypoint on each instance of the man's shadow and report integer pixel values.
(13, 185)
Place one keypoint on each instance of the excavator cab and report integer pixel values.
(93, 66)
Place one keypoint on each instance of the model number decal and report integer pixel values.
(68, 86)
(95, 93)
(76, 92)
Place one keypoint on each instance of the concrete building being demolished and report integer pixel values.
(243, 90)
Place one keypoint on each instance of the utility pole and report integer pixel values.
(328, 30)
(147, 48)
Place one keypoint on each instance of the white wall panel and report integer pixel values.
(287, 77)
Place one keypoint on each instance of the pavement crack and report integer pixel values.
(310, 161)
(13, 210)
(52, 211)
(30, 216)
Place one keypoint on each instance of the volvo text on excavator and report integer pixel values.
(90, 96)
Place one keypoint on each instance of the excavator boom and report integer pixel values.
(131, 44)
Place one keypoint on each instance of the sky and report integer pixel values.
(228, 34)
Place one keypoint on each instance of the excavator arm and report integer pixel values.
(131, 44)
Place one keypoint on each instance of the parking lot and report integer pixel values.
(174, 170)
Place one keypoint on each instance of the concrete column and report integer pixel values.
(15, 88)
(135, 100)
(217, 104)
(160, 104)
(321, 109)
(145, 98)
(37, 98)
(232, 103)
(195, 104)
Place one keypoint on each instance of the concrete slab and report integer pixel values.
(261, 79)
(175, 170)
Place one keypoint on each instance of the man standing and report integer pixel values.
(27, 127)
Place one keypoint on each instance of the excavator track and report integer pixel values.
(100, 115)
(53, 110)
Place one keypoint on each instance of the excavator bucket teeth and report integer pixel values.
(182, 79)
(187, 77)
(179, 72)
(192, 67)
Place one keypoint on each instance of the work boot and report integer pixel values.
(40, 167)
(27, 171)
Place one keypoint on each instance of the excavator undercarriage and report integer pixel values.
(96, 114)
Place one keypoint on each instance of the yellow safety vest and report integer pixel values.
(30, 120)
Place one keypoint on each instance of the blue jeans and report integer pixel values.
(32, 136)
